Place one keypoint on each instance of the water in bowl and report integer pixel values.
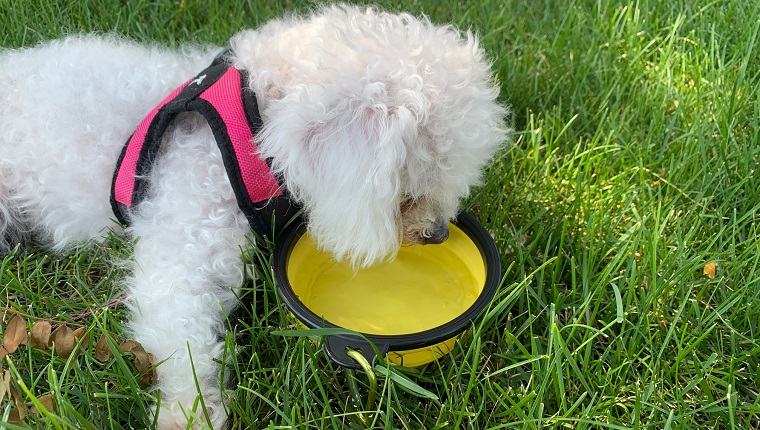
(424, 287)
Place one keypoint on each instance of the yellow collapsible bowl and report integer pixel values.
(412, 308)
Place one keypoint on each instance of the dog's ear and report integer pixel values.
(343, 161)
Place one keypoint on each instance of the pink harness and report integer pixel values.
(219, 94)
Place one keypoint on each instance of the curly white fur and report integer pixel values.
(378, 123)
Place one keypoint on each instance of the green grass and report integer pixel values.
(634, 164)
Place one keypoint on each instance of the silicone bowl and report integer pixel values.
(412, 309)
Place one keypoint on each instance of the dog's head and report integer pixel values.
(378, 123)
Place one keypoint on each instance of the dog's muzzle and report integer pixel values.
(437, 233)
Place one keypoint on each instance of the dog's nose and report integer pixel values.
(436, 234)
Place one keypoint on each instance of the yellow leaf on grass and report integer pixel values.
(709, 270)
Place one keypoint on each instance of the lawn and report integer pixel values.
(626, 209)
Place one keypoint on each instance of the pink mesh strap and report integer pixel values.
(225, 97)
(124, 182)
(218, 94)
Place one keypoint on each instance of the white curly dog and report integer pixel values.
(376, 124)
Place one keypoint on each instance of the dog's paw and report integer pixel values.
(179, 414)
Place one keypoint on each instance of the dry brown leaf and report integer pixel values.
(149, 378)
(130, 345)
(143, 360)
(14, 417)
(82, 336)
(41, 335)
(46, 401)
(17, 414)
(709, 270)
(15, 333)
(5, 384)
(3, 352)
(102, 351)
(144, 365)
(64, 341)
(20, 411)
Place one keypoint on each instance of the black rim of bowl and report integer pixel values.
(403, 342)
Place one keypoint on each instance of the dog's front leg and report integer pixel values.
(180, 293)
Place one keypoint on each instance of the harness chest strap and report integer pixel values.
(218, 94)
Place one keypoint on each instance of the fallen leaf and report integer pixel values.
(143, 360)
(20, 411)
(17, 414)
(102, 351)
(41, 335)
(130, 345)
(15, 333)
(82, 336)
(709, 270)
(14, 417)
(5, 384)
(64, 341)
(46, 401)
(144, 365)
